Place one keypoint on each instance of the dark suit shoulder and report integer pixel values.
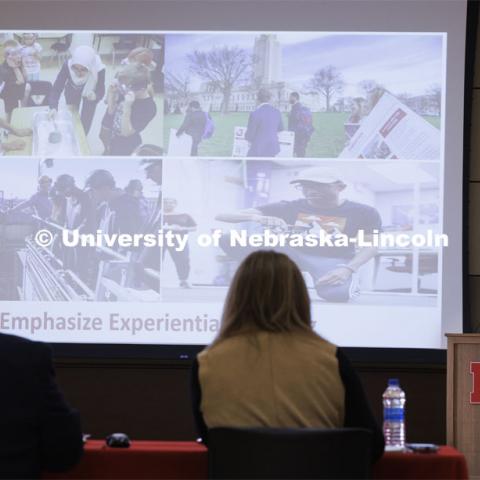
(7, 339)
(22, 350)
(266, 107)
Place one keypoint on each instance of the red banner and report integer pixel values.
(475, 371)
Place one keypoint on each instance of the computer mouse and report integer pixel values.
(118, 440)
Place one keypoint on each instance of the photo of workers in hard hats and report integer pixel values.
(242, 199)
(55, 197)
(80, 93)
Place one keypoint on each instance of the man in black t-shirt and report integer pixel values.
(181, 223)
(321, 208)
(130, 109)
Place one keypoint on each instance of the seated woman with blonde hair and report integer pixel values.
(268, 368)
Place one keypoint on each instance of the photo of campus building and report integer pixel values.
(337, 85)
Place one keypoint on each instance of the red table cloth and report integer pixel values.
(446, 463)
(142, 460)
(188, 460)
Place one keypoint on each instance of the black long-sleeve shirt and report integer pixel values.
(73, 93)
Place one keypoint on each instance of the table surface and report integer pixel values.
(22, 117)
(183, 460)
(147, 446)
(447, 463)
(142, 460)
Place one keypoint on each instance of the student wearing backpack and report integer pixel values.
(300, 121)
(195, 124)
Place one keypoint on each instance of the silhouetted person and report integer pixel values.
(39, 431)
(268, 367)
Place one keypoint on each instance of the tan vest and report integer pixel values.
(271, 380)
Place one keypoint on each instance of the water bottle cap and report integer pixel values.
(393, 382)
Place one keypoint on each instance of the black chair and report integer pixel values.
(62, 46)
(125, 45)
(39, 93)
(273, 453)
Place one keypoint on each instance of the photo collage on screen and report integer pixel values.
(242, 133)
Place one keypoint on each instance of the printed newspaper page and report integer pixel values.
(393, 130)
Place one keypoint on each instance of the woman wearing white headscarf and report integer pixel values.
(82, 79)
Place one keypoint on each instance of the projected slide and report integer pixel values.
(140, 168)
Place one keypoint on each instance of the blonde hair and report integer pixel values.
(135, 75)
(141, 55)
(268, 293)
(9, 45)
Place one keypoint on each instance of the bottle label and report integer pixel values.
(393, 414)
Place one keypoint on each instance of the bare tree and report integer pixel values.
(339, 105)
(327, 81)
(222, 68)
(177, 89)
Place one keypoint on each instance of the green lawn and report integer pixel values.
(435, 121)
(328, 139)
(221, 142)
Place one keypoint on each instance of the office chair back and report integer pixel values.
(268, 453)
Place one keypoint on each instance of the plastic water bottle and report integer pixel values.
(394, 416)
